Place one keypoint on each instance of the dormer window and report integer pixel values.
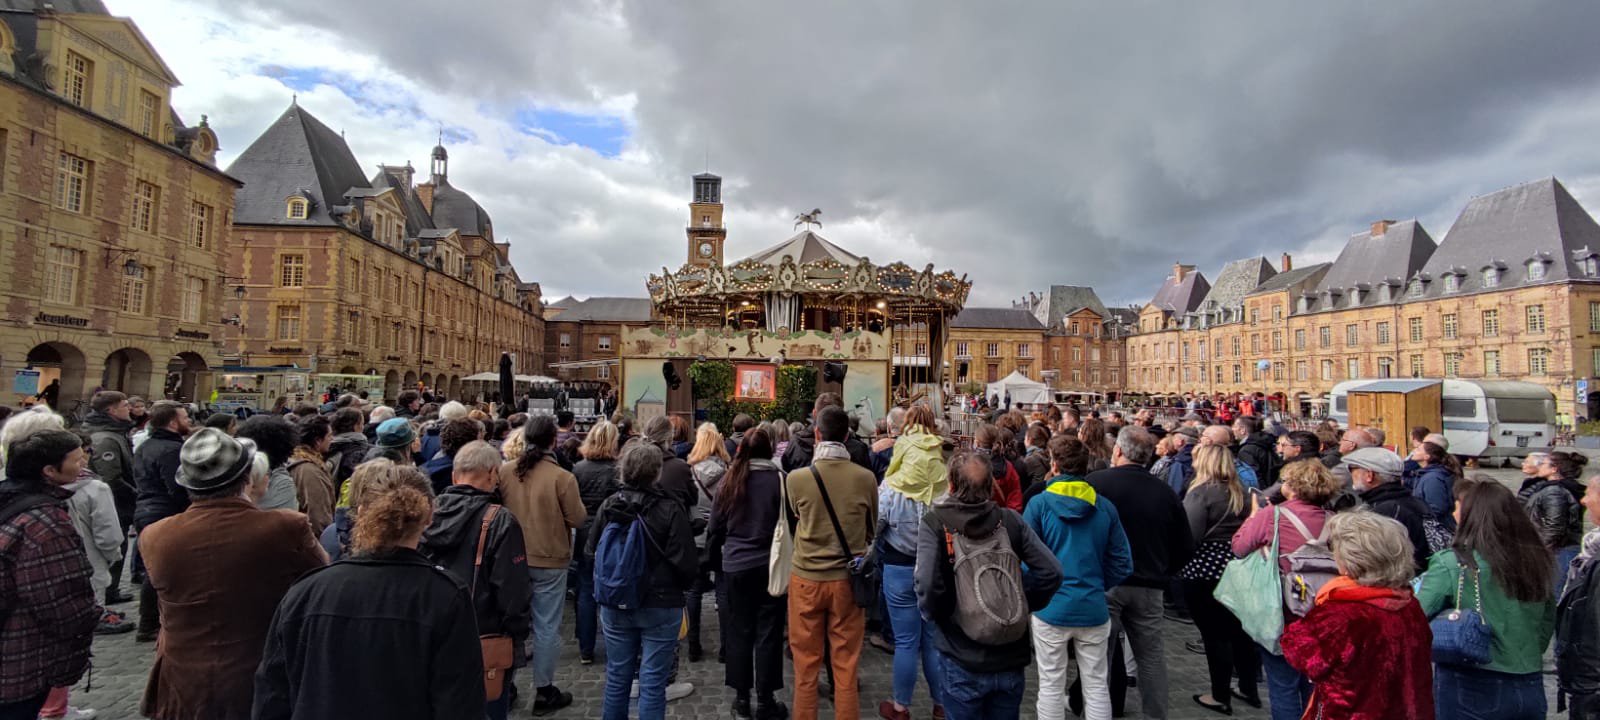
(1536, 270)
(1452, 283)
(298, 208)
(1491, 277)
(1589, 266)
(1385, 293)
(1415, 290)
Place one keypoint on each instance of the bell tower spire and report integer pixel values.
(441, 161)
(705, 231)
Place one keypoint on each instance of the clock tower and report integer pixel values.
(706, 233)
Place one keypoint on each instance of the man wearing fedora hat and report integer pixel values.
(219, 569)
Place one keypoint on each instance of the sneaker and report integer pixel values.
(880, 643)
(887, 711)
(679, 691)
(549, 699)
(73, 713)
(115, 596)
(741, 709)
(110, 624)
(585, 658)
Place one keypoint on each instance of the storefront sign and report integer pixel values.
(193, 335)
(350, 353)
(62, 320)
(286, 350)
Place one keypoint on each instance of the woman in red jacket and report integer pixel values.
(1365, 646)
(1007, 482)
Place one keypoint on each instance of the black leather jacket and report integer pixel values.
(1578, 633)
(1553, 506)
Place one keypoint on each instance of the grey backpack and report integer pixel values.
(1310, 567)
(991, 606)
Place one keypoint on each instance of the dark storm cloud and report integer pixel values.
(1023, 144)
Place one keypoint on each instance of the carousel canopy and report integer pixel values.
(806, 265)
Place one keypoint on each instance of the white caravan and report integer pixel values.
(1482, 418)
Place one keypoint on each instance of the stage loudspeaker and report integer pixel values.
(833, 372)
(670, 374)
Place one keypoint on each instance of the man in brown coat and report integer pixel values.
(219, 568)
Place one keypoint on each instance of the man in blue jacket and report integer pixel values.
(1086, 536)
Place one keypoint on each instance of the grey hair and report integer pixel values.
(382, 413)
(897, 418)
(659, 431)
(1371, 549)
(26, 423)
(476, 456)
(1136, 444)
(640, 464)
(260, 468)
(452, 411)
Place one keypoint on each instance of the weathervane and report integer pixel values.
(808, 219)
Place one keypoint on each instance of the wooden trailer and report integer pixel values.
(1396, 406)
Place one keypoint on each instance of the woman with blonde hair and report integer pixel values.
(335, 648)
(1365, 645)
(1307, 488)
(1216, 506)
(709, 460)
(597, 480)
(916, 475)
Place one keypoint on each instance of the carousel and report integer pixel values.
(874, 333)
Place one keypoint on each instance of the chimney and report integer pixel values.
(425, 194)
(1178, 270)
(1286, 264)
(1380, 227)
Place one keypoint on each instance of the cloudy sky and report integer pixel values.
(1023, 144)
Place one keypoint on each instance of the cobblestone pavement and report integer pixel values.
(121, 667)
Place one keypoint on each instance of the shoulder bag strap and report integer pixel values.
(1305, 532)
(788, 511)
(832, 516)
(483, 534)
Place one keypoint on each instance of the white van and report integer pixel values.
(1482, 418)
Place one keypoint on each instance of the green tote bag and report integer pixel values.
(1252, 590)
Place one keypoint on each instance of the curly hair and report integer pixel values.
(397, 506)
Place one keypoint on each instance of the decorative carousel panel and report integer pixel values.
(863, 277)
(897, 278)
(749, 275)
(657, 287)
(693, 280)
(949, 288)
(670, 342)
(824, 274)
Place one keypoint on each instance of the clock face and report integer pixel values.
(705, 249)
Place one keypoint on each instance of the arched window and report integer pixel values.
(298, 208)
(1491, 277)
(1535, 270)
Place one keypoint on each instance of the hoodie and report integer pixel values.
(1085, 534)
(349, 449)
(502, 592)
(936, 587)
(111, 458)
(1258, 451)
(94, 516)
(1434, 486)
(1181, 470)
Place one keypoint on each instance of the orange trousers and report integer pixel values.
(825, 612)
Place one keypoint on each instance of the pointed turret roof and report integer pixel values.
(297, 153)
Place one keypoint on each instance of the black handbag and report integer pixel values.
(864, 578)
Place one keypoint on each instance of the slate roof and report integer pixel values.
(1063, 300)
(296, 153)
(606, 309)
(1125, 316)
(1183, 296)
(456, 209)
(93, 7)
(1294, 280)
(996, 319)
(804, 247)
(1372, 260)
(566, 302)
(1535, 220)
(1237, 279)
(417, 218)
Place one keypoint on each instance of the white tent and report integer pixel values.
(1023, 390)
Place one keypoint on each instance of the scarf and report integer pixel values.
(302, 452)
(830, 451)
(1349, 590)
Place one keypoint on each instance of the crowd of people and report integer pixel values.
(416, 561)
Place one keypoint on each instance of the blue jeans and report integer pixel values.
(588, 611)
(648, 636)
(981, 696)
(911, 637)
(549, 597)
(1288, 690)
(1564, 558)
(1474, 694)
